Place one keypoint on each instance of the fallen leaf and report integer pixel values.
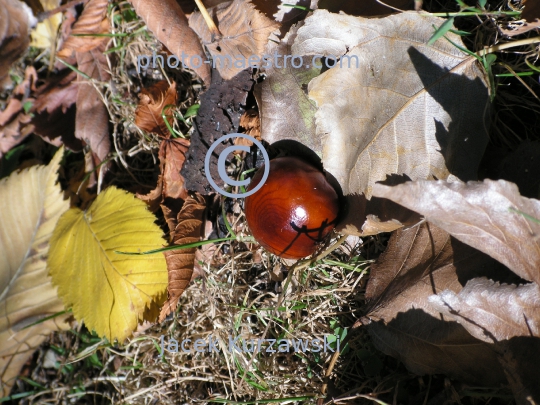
(219, 114)
(530, 19)
(244, 34)
(180, 262)
(16, 19)
(419, 262)
(172, 155)
(286, 112)
(153, 100)
(424, 129)
(44, 34)
(30, 205)
(112, 291)
(92, 117)
(485, 215)
(492, 312)
(83, 36)
(15, 119)
(169, 24)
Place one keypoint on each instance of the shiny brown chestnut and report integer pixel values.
(295, 209)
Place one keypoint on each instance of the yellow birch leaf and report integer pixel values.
(107, 290)
(30, 204)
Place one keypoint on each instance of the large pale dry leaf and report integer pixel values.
(419, 262)
(492, 312)
(107, 290)
(286, 112)
(30, 204)
(15, 21)
(92, 117)
(244, 33)
(481, 214)
(92, 21)
(169, 24)
(180, 262)
(394, 104)
(148, 115)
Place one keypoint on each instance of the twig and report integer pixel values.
(216, 35)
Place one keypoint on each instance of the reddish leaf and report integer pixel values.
(172, 155)
(153, 100)
(180, 262)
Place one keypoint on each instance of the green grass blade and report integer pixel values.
(442, 30)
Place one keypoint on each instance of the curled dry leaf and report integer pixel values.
(15, 21)
(492, 312)
(153, 100)
(485, 215)
(169, 24)
(432, 122)
(419, 262)
(91, 21)
(180, 262)
(30, 205)
(244, 33)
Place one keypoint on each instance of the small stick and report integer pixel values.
(209, 21)
(46, 14)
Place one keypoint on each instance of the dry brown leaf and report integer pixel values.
(530, 16)
(180, 262)
(152, 102)
(14, 120)
(432, 122)
(169, 24)
(481, 214)
(244, 33)
(16, 20)
(92, 21)
(92, 117)
(419, 262)
(286, 112)
(172, 155)
(493, 312)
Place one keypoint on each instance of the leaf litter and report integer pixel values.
(236, 277)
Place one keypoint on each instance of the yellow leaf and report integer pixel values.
(44, 35)
(107, 290)
(30, 204)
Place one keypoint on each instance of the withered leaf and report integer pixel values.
(15, 21)
(485, 215)
(153, 100)
(92, 118)
(419, 262)
(244, 33)
(286, 112)
(493, 312)
(180, 262)
(92, 21)
(425, 128)
(169, 24)
(172, 155)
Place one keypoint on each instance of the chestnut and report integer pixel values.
(295, 209)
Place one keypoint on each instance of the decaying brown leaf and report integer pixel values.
(15, 123)
(92, 21)
(286, 112)
(169, 24)
(419, 262)
(92, 117)
(244, 33)
(172, 155)
(394, 104)
(491, 216)
(180, 262)
(493, 312)
(16, 20)
(153, 100)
